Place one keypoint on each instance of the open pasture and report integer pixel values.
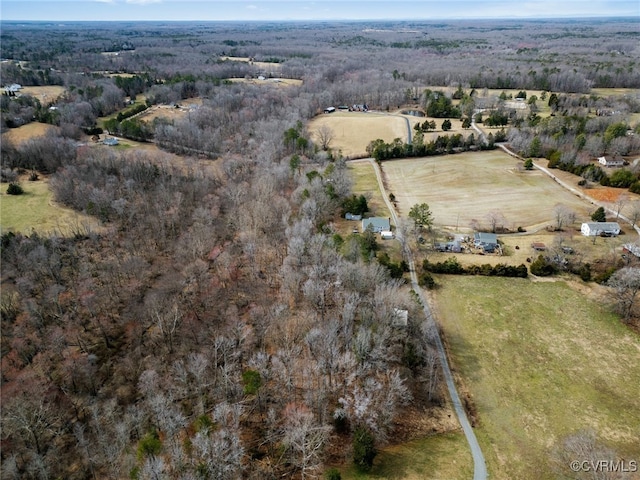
(36, 211)
(353, 131)
(462, 189)
(543, 363)
(45, 94)
(278, 82)
(267, 66)
(27, 132)
(170, 112)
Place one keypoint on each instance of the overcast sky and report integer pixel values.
(68, 10)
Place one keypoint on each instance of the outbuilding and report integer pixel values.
(329, 109)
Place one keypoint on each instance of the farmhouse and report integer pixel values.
(610, 162)
(592, 229)
(376, 224)
(487, 241)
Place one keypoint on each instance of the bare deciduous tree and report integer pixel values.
(304, 439)
(562, 216)
(626, 285)
(325, 136)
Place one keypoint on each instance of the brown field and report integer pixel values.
(353, 131)
(46, 94)
(264, 65)
(27, 132)
(466, 187)
(279, 82)
(170, 112)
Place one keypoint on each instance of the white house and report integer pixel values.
(617, 162)
(592, 229)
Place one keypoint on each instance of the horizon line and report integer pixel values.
(289, 20)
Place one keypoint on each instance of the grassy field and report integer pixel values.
(46, 94)
(465, 187)
(168, 111)
(27, 132)
(36, 211)
(353, 131)
(278, 82)
(541, 362)
(438, 457)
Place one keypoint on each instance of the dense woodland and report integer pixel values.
(217, 326)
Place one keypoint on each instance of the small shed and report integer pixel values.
(376, 224)
(329, 109)
(111, 141)
(352, 216)
(386, 235)
(607, 229)
(538, 246)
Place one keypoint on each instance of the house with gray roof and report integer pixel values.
(487, 241)
(377, 224)
(607, 229)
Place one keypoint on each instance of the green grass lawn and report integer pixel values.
(365, 183)
(35, 211)
(438, 457)
(542, 362)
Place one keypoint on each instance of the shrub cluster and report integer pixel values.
(451, 266)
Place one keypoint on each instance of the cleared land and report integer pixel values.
(465, 187)
(269, 66)
(353, 131)
(35, 211)
(543, 363)
(170, 112)
(27, 132)
(278, 82)
(45, 94)
(444, 457)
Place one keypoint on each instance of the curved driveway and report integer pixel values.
(479, 466)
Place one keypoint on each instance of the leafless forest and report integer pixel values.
(217, 326)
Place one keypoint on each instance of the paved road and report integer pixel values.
(479, 466)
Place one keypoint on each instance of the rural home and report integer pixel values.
(376, 224)
(609, 162)
(487, 241)
(591, 229)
